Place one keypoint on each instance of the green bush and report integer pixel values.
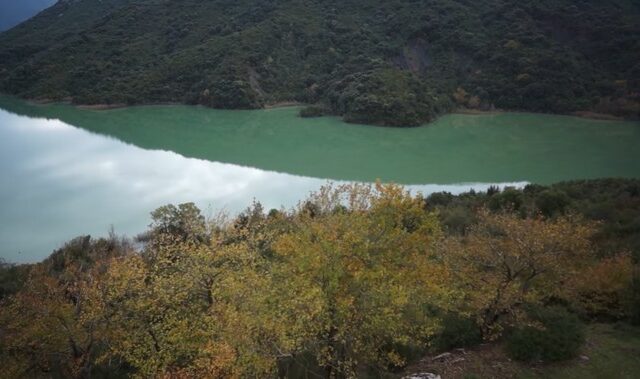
(302, 365)
(457, 331)
(510, 199)
(12, 277)
(559, 337)
(312, 111)
(457, 220)
(552, 202)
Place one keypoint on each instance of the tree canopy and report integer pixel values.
(353, 282)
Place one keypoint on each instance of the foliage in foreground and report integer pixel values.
(351, 281)
(612, 349)
(557, 336)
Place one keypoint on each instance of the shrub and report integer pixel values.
(12, 278)
(510, 199)
(457, 331)
(552, 202)
(457, 219)
(312, 111)
(559, 337)
(605, 290)
(408, 352)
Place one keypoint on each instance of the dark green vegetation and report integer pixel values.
(355, 282)
(610, 351)
(312, 111)
(559, 337)
(613, 351)
(399, 62)
(11, 278)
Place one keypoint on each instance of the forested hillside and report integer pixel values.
(358, 281)
(399, 62)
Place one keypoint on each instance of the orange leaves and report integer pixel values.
(602, 289)
(348, 277)
(505, 261)
(51, 322)
(609, 275)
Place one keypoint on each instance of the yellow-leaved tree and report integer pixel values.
(354, 275)
(49, 326)
(190, 306)
(504, 262)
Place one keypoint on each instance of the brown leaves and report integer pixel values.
(603, 288)
(361, 264)
(505, 261)
(349, 276)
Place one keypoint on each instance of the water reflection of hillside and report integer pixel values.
(60, 181)
(457, 148)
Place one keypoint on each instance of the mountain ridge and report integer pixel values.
(393, 63)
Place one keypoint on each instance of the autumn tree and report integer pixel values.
(190, 305)
(355, 274)
(342, 283)
(505, 262)
(460, 96)
(604, 288)
(159, 321)
(177, 223)
(48, 327)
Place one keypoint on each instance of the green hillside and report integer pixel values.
(399, 62)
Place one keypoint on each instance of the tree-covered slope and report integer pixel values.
(14, 12)
(357, 281)
(395, 62)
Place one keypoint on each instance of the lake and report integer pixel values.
(69, 172)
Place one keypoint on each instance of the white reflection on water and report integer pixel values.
(59, 182)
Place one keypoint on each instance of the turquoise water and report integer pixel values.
(67, 172)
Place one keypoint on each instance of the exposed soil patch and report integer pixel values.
(484, 361)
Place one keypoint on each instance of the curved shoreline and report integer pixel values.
(590, 115)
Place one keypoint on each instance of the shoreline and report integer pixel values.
(589, 115)
(103, 106)
(283, 104)
(599, 116)
(100, 107)
(580, 114)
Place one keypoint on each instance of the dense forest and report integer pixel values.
(356, 281)
(400, 62)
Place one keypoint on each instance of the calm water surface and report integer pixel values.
(67, 172)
